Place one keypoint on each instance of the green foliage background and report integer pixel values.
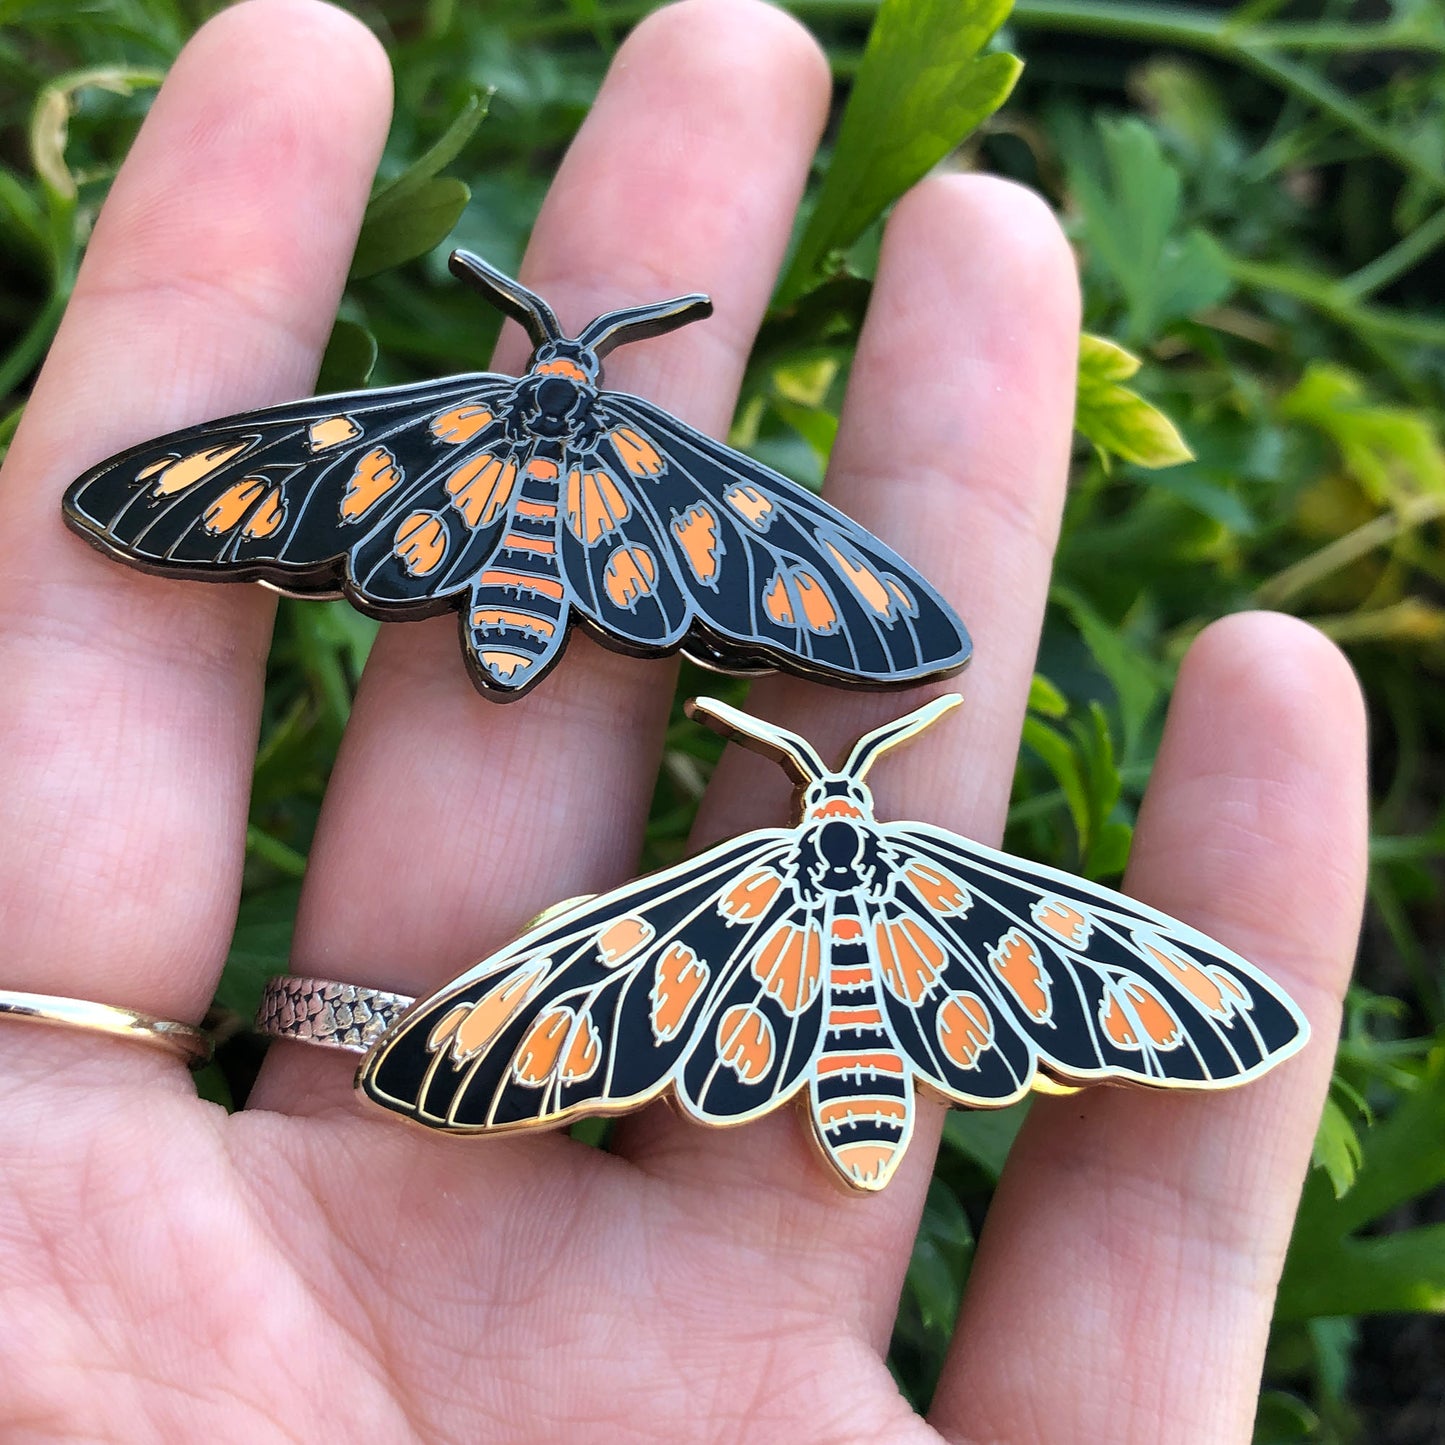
(1258, 200)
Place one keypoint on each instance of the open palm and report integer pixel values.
(309, 1270)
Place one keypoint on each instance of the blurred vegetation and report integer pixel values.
(1257, 196)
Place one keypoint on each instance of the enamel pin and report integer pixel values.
(525, 504)
(844, 961)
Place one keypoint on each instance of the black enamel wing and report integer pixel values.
(844, 961)
(526, 504)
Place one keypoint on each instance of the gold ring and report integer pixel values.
(185, 1040)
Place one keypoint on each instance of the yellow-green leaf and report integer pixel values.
(921, 88)
(1116, 418)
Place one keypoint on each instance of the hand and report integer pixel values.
(307, 1269)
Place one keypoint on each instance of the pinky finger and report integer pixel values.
(1125, 1282)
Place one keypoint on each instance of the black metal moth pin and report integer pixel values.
(526, 504)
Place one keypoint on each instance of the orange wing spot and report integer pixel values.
(940, 890)
(854, 976)
(1156, 1017)
(232, 505)
(371, 479)
(526, 542)
(1015, 958)
(871, 1063)
(855, 1018)
(638, 454)
(749, 897)
(421, 543)
(584, 1053)
(1116, 1024)
(1066, 921)
(461, 423)
(679, 976)
(912, 958)
(751, 505)
(523, 582)
(267, 517)
(146, 473)
(471, 1027)
(789, 965)
(504, 664)
(480, 488)
(866, 583)
(696, 533)
(777, 603)
(540, 511)
(847, 930)
(818, 612)
(965, 1028)
(594, 505)
(560, 366)
(445, 1027)
(538, 1054)
(862, 1109)
(544, 469)
(1208, 986)
(619, 941)
(869, 1166)
(629, 575)
(745, 1042)
(331, 432)
(909, 606)
(795, 592)
(490, 617)
(176, 476)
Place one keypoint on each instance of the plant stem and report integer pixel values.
(281, 857)
(1391, 264)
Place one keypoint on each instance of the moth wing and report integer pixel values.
(607, 1006)
(289, 494)
(993, 968)
(771, 575)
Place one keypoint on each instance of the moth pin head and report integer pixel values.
(837, 796)
(568, 359)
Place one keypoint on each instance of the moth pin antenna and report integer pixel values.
(508, 296)
(794, 754)
(900, 730)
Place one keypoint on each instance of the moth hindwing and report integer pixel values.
(528, 505)
(845, 959)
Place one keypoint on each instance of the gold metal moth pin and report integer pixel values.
(525, 505)
(843, 960)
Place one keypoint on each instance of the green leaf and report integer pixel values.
(1337, 1148)
(1394, 453)
(1129, 198)
(417, 210)
(349, 358)
(921, 87)
(437, 157)
(1138, 681)
(1403, 1271)
(1045, 699)
(260, 946)
(986, 1135)
(1117, 420)
(392, 235)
